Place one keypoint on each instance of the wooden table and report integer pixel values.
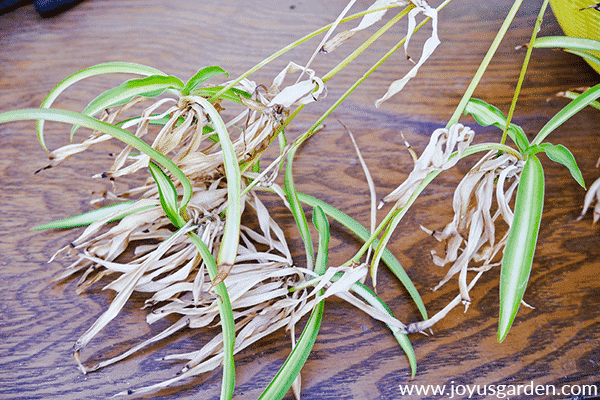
(355, 357)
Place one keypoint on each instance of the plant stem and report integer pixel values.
(366, 44)
(340, 67)
(290, 47)
(484, 64)
(310, 132)
(513, 105)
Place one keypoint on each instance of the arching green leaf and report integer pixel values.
(560, 154)
(168, 195)
(486, 114)
(90, 217)
(201, 76)
(126, 137)
(567, 112)
(100, 69)
(567, 42)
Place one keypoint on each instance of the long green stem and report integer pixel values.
(345, 63)
(513, 104)
(337, 69)
(375, 66)
(484, 64)
(290, 47)
(366, 44)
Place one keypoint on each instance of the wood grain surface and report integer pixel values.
(355, 357)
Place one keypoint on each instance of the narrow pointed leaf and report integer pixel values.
(229, 243)
(567, 112)
(91, 216)
(322, 225)
(231, 234)
(126, 137)
(201, 76)
(150, 86)
(521, 243)
(100, 69)
(560, 154)
(226, 315)
(370, 297)
(167, 193)
(285, 377)
(155, 121)
(486, 114)
(567, 42)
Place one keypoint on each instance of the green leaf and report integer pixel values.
(256, 167)
(322, 225)
(168, 195)
(364, 234)
(567, 42)
(201, 76)
(521, 243)
(207, 130)
(370, 297)
(573, 96)
(100, 69)
(231, 234)
(226, 315)
(567, 112)
(232, 94)
(586, 56)
(286, 376)
(229, 243)
(90, 217)
(150, 86)
(486, 114)
(560, 154)
(126, 137)
(160, 121)
(297, 212)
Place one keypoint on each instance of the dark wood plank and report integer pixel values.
(355, 357)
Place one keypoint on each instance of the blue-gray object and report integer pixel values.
(10, 5)
(48, 8)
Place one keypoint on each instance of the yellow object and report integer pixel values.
(578, 18)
